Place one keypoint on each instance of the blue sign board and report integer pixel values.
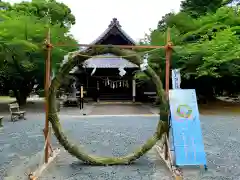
(186, 128)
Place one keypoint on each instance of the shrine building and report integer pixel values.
(101, 77)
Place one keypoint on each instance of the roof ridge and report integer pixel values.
(113, 23)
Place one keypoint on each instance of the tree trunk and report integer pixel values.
(21, 97)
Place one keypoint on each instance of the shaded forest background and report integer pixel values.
(205, 34)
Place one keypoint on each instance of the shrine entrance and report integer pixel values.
(80, 57)
(106, 76)
(115, 88)
(109, 84)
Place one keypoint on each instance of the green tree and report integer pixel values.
(22, 54)
(4, 5)
(59, 13)
(162, 24)
(197, 8)
(205, 48)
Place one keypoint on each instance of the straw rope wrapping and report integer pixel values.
(76, 58)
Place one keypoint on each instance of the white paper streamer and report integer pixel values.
(65, 60)
(144, 65)
(121, 69)
(53, 74)
(94, 70)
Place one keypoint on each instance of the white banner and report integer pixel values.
(176, 78)
(53, 75)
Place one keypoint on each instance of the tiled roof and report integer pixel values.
(110, 61)
(114, 23)
(99, 62)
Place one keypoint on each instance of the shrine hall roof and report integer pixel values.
(111, 61)
(114, 62)
(114, 23)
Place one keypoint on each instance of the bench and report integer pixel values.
(15, 112)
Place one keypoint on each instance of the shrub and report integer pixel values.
(41, 93)
(11, 93)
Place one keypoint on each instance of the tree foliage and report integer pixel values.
(198, 8)
(206, 48)
(22, 54)
(59, 13)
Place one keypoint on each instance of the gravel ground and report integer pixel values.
(115, 136)
(120, 109)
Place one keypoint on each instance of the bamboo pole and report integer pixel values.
(115, 46)
(47, 85)
(168, 56)
(167, 77)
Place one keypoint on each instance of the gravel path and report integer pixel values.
(116, 136)
(120, 109)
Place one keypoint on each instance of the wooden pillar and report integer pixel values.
(133, 90)
(1, 118)
(168, 56)
(81, 97)
(47, 85)
(168, 49)
(98, 94)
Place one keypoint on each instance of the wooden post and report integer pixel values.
(98, 93)
(167, 77)
(168, 56)
(133, 90)
(82, 91)
(47, 85)
(81, 97)
(1, 118)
